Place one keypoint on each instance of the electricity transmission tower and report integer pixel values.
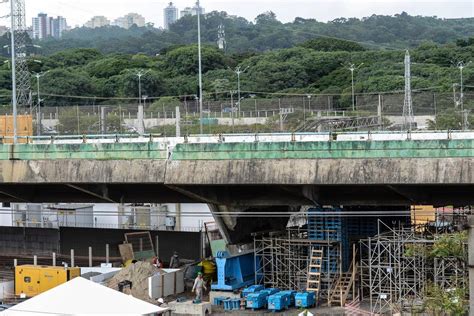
(408, 103)
(19, 37)
(221, 42)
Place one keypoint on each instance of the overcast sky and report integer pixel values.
(78, 12)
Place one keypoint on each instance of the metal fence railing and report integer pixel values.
(251, 115)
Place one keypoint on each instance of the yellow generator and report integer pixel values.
(33, 280)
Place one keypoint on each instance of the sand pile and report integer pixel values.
(137, 273)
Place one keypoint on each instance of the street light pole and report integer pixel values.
(200, 64)
(239, 71)
(14, 97)
(461, 65)
(141, 125)
(38, 111)
(352, 68)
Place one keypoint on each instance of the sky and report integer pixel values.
(77, 12)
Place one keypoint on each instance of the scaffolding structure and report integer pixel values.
(282, 260)
(393, 269)
(450, 272)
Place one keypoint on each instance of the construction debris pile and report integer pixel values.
(138, 274)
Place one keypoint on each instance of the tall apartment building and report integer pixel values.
(170, 14)
(44, 26)
(97, 21)
(129, 20)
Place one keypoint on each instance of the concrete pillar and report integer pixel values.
(107, 253)
(140, 119)
(15, 262)
(103, 122)
(178, 122)
(72, 258)
(54, 259)
(90, 256)
(178, 217)
(35, 260)
(470, 251)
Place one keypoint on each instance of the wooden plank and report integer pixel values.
(126, 252)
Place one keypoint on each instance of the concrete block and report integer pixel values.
(214, 294)
(188, 308)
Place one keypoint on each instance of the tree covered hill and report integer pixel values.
(267, 33)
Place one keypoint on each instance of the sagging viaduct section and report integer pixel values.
(244, 172)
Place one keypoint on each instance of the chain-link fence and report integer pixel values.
(253, 114)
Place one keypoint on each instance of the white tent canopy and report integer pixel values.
(83, 297)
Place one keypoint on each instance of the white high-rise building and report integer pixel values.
(44, 26)
(129, 20)
(97, 21)
(191, 11)
(170, 15)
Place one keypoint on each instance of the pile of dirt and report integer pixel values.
(137, 273)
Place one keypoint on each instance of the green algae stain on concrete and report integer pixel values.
(326, 150)
(244, 151)
(115, 151)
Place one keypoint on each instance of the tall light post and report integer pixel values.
(353, 68)
(238, 71)
(461, 65)
(198, 7)
(38, 110)
(141, 126)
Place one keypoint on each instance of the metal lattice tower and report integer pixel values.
(408, 104)
(221, 42)
(19, 27)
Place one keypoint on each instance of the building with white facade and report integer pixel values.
(170, 15)
(129, 20)
(97, 21)
(44, 26)
(191, 11)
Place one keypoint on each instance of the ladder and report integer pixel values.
(314, 272)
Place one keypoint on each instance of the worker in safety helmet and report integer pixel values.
(174, 261)
(198, 287)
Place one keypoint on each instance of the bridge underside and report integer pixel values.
(240, 196)
(242, 185)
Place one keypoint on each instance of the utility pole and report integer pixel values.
(38, 110)
(238, 71)
(198, 5)
(408, 103)
(141, 125)
(353, 68)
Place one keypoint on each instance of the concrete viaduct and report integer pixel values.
(244, 172)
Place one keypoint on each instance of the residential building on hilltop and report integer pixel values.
(97, 21)
(170, 15)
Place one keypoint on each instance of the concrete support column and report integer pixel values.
(470, 248)
(72, 257)
(107, 253)
(90, 256)
(35, 260)
(54, 259)
(15, 262)
(178, 122)
(157, 246)
(178, 217)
